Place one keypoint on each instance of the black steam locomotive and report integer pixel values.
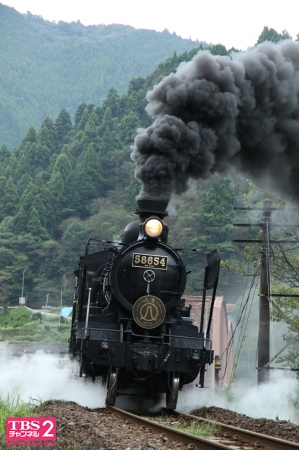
(130, 324)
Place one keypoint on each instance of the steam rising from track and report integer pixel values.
(216, 113)
(44, 377)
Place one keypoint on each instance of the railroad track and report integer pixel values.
(227, 437)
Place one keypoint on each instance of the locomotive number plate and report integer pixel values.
(150, 261)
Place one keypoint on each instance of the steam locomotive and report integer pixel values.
(130, 324)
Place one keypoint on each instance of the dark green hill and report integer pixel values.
(69, 180)
(47, 66)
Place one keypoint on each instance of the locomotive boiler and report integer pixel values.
(130, 324)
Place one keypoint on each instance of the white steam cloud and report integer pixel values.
(274, 400)
(44, 377)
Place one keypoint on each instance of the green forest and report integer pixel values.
(71, 177)
(69, 180)
(46, 66)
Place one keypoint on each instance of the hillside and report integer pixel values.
(20, 325)
(71, 179)
(47, 66)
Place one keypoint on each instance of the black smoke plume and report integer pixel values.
(216, 113)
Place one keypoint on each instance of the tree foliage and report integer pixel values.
(49, 68)
(67, 181)
(269, 34)
(284, 269)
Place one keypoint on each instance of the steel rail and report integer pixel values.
(193, 442)
(238, 436)
(245, 435)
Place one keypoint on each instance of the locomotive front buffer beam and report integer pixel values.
(193, 353)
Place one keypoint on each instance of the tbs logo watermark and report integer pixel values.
(30, 431)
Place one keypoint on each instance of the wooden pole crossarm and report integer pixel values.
(258, 241)
(287, 319)
(290, 342)
(285, 295)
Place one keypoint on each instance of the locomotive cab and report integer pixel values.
(130, 324)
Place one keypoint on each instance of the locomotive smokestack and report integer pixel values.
(218, 112)
(146, 207)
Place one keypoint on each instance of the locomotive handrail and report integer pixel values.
(172, 292)
(87, 312)
(151, 337)
(102, 242)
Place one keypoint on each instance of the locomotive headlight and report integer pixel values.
(153, 228)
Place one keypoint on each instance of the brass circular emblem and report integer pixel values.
(149, 311)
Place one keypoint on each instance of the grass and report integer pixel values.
(194, 427)
(21, 325)
(205, 431)
(15, 407)
(18, 316)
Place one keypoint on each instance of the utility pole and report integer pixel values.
(22, 300)
(23, 282)
(264, 360)
(265, 292)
